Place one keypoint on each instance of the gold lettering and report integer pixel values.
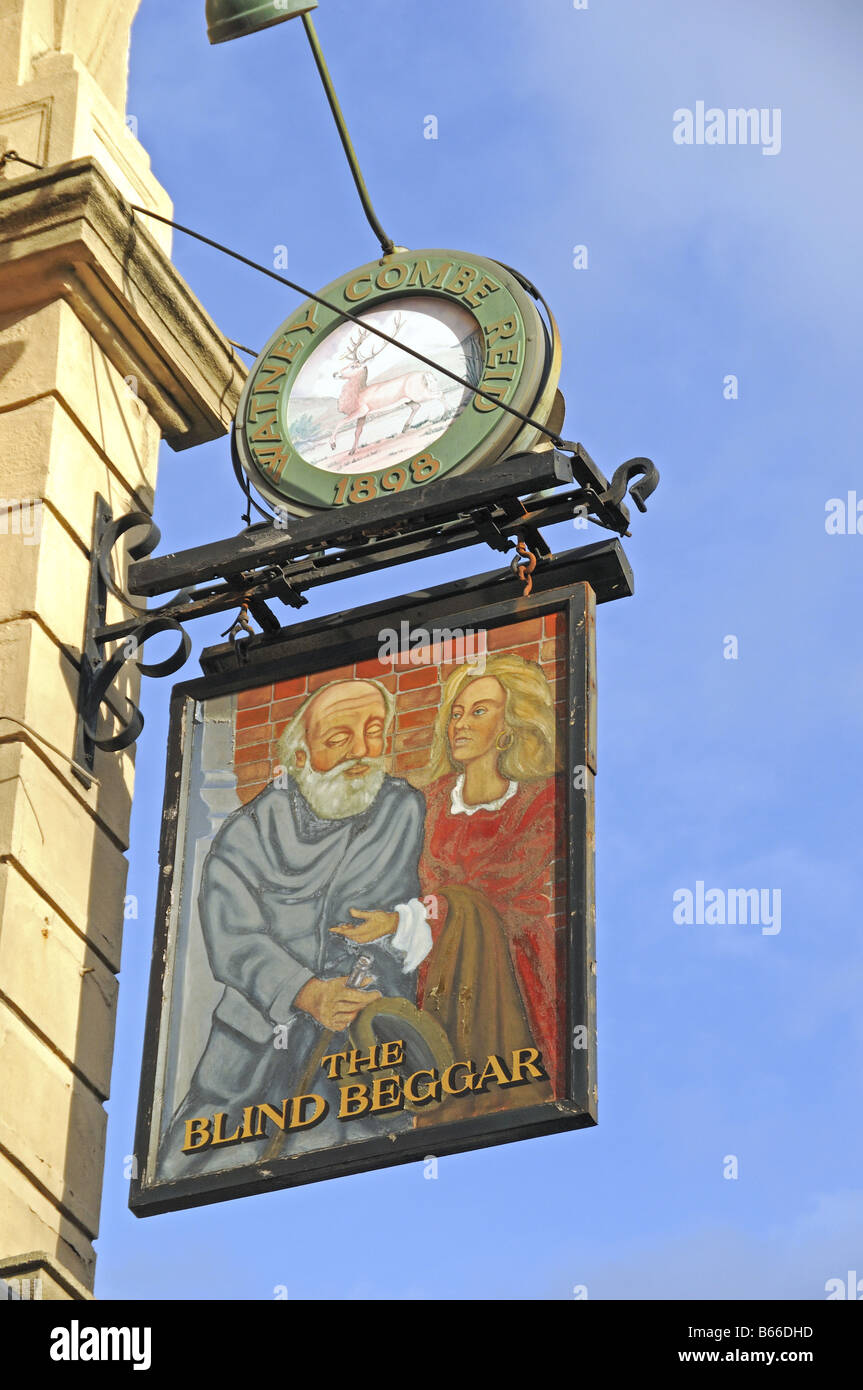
(199, 1129)
(275, 373)
(481, 291)
(432, 1091)
(266, 431)
(301, 1121)
(392, 1054)
(447, 1082)
(219, 1136)
(273, 458)
(278, 1117)
(353, 292)
(358, 1061)
(354, 1100)
(464, 278)
(286, 349)
(499, 356)
(422, 274)
(260, 407)
(386, 1094)
(493, 1070)
(504, 328)
(481, 403)
(332, 1061)
(248, 1115)
(309, 323)
(384, 283)
(524, 1059)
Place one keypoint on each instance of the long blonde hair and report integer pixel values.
(528, 716)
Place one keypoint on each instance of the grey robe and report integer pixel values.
(277, 877)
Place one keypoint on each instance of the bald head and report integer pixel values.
(344, 722)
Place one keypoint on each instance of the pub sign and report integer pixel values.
(375, 934)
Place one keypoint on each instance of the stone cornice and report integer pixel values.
(37, 1263)
(66, 233)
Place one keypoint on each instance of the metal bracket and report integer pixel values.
(269, 562)
(284, 589)
(606, 499)
(496, 531)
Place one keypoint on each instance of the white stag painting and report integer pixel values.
(360, 404)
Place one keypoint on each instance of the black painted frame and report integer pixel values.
(327, 643)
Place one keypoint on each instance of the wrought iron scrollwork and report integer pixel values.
(104, 676)
(100, 669)
(104, 546)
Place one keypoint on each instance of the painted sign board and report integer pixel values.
(375, 935)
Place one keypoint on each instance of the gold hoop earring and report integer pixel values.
(502, 747)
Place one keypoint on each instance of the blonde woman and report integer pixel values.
(493, 827)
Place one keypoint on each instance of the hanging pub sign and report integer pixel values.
(338, 411)
(375, 934)
(375, 920)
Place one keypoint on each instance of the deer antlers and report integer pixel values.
(352, 351)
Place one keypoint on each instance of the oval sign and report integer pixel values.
(332, 415)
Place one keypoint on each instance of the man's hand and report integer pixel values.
(373, 926)
(332, 1003)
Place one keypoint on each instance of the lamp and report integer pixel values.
(232, 19)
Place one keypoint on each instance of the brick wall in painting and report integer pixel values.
(263, 713)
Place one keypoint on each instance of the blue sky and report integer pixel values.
(555, 130)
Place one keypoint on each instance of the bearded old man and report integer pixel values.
(324, 856)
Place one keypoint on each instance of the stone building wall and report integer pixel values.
(103, 352)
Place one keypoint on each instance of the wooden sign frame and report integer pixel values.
(491, 604)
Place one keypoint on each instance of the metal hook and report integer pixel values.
(621, 478)
(240, 624)
(523, 564)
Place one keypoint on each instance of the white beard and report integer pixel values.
(332, 795)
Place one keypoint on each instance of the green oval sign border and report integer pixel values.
(517, 366)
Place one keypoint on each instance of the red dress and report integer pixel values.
(506, 855)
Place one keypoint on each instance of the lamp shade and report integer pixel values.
(231, 19)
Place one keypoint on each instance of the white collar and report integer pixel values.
(457, 802)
